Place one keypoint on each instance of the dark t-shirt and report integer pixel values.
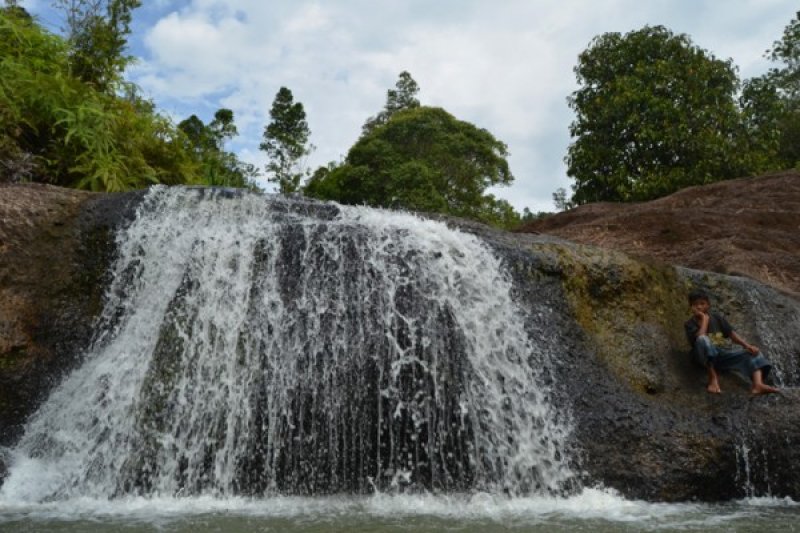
(719, 330)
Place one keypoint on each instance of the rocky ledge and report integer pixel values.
(55, 246)
(748, 226)
(643, 423)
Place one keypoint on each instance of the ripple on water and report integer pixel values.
(592, 510)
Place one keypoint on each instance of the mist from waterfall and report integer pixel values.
(257, 345)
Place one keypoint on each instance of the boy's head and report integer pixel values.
(698, 298)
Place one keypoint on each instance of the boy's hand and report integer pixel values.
(752, 349)
(698, 313)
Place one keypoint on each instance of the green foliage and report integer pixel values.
(530, 216)
(286, 142)
(763, 115)
(218, 167)
(97, 33)
(422, 159)
(54, 127)
(787, 51)
(771, 104)
(403, 96)
(560, 199)
(655, 113)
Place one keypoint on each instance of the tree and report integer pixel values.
(787, 51)
(771, 103)
(286, 141)
(218, 167)
(213, 136)
(403, 96)
(763, 114)
(12, 8)
(97, 31)
(530, 216)
(54, 127)
(222, 128)
(422, 159)
(560, 199)
(654, 113)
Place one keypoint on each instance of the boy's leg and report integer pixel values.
(713, 380)
(759, 387)
(705, 353)
(748, 365)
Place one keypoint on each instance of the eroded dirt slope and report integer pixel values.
(748, 226)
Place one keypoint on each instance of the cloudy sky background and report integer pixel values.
(504, 65)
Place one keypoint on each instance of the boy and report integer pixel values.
(710, 336)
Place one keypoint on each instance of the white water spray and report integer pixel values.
(254, 345)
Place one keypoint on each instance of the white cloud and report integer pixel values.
(505, 66)
(308, 19)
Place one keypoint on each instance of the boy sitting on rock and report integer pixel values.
(712, 338)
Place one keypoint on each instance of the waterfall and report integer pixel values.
(780, 344)
(256, 345)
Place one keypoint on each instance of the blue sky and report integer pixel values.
(504, 65)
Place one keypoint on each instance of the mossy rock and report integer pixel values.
(631, 310)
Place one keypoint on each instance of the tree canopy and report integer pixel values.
(286, 141)
(654, 113)
(422, 159)
(97, 33)
(61, 125)
(771, 103)
(217, 166)
(403, 96)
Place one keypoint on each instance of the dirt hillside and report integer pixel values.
(748, 227)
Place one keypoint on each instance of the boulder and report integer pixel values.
(642, 421)
(55, 248)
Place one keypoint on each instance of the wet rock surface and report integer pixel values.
(55, 246)
(643, 423)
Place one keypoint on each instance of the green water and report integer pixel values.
(593, 511)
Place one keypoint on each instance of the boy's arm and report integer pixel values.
(703, 330)
(702, 322)
(743, 343)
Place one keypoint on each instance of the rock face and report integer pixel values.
(746, 226)
(55, 246)
(643, 423)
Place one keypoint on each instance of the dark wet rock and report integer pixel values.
(643, 423)
(3, 467)
(55, 247)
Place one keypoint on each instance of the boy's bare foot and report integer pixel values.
(763, 389)
(713, 388)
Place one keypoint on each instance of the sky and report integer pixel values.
(503, 65)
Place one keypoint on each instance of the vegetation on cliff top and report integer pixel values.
(425, 159)
(68, 117)
(654, 113)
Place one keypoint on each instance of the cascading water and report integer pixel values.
(781, 344)
(254, 345)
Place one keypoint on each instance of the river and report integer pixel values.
(251, 348)
(593, 510)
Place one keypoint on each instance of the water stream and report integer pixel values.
(260, 357)
(252, 345)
